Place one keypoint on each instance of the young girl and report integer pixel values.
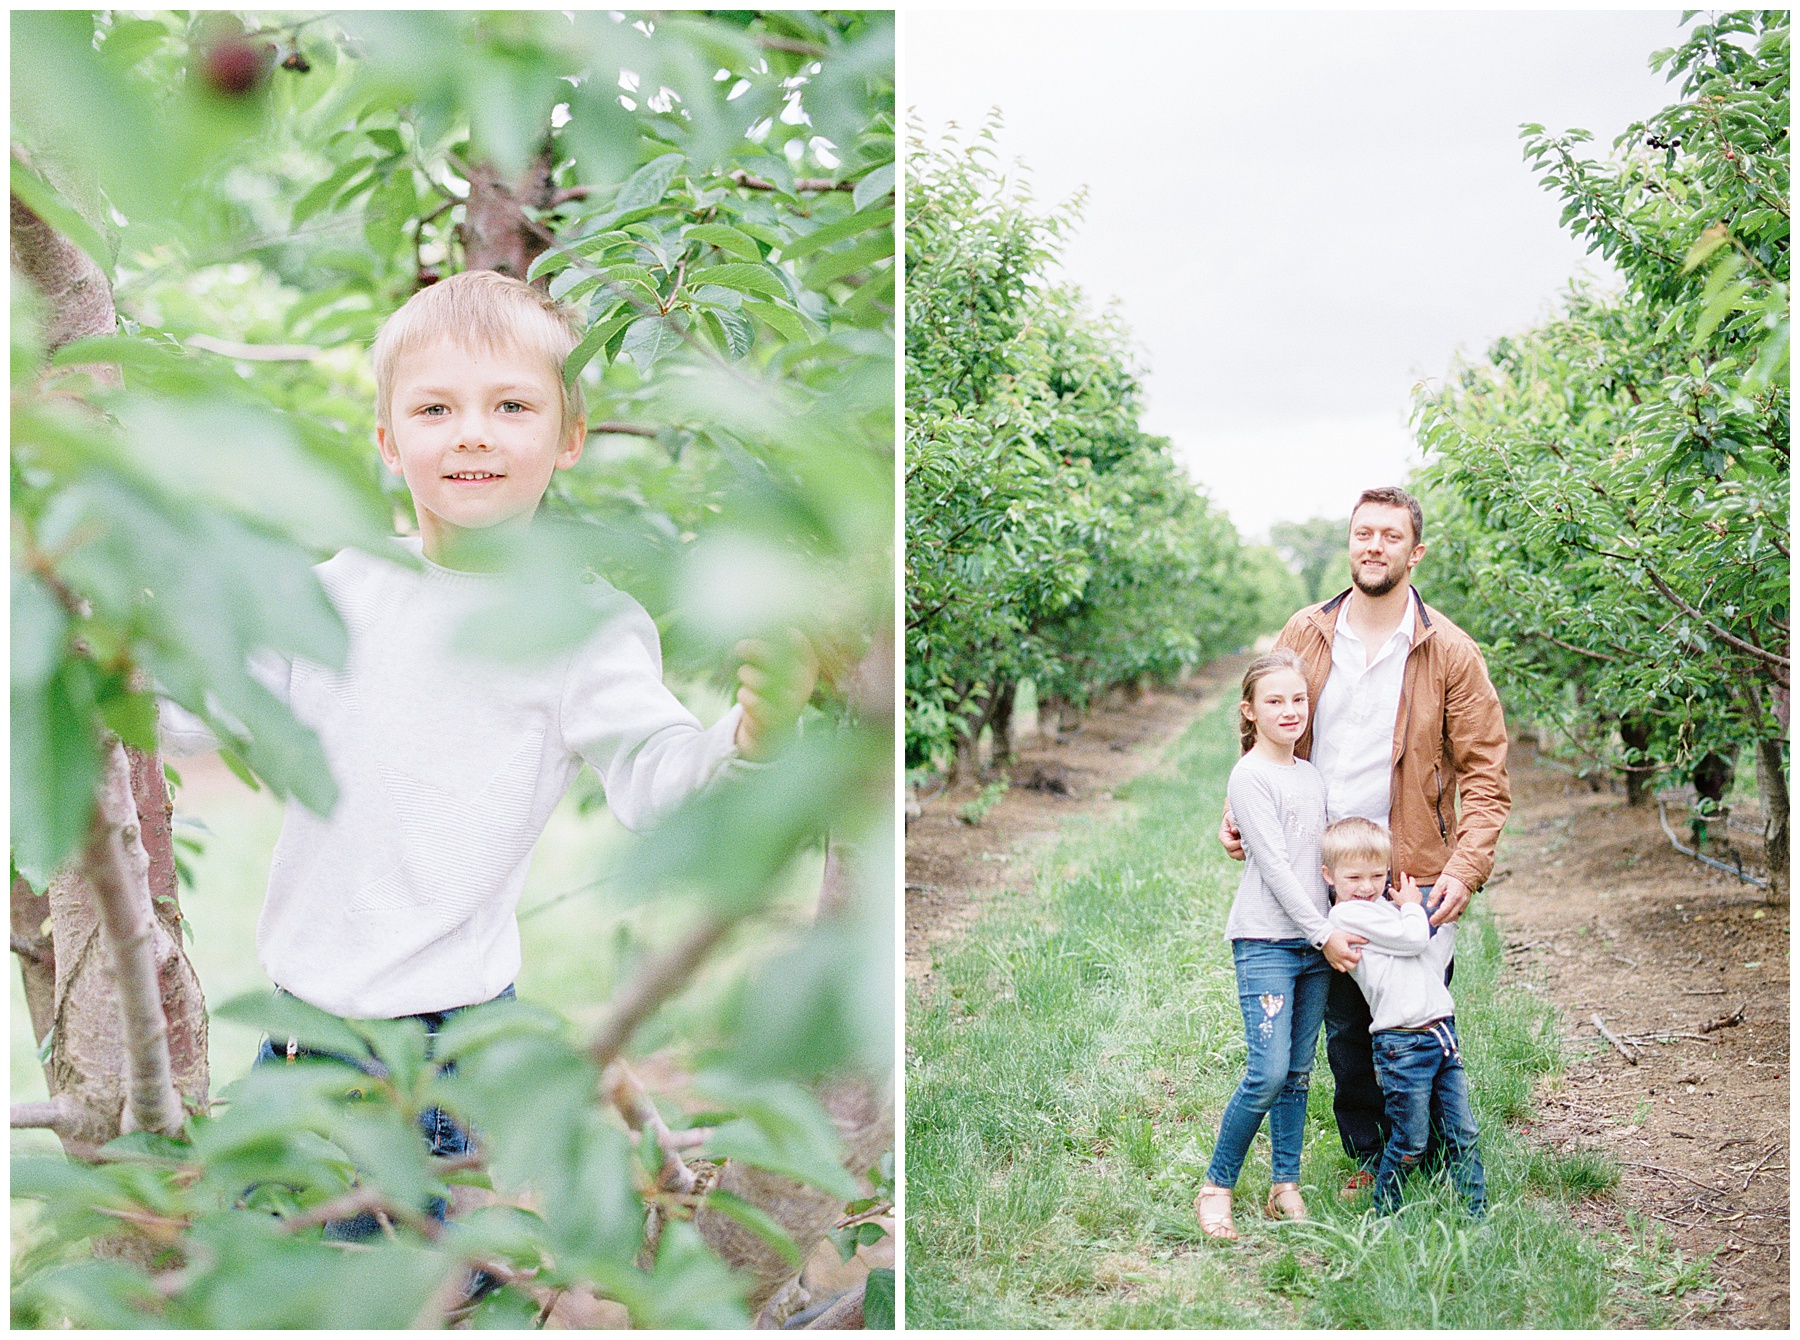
(1276, 925)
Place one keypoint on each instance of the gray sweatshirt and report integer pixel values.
(1280, 813)
(1402, 968)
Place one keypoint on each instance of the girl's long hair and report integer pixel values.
(1281, 658)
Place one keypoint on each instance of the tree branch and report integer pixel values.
(57, 1115)
(625, 429)
(635, 1105)
(661, 980)
(1570, 646)
(118, 868)
(1768, 657)
(739, 177)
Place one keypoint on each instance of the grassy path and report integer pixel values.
(1065, 1080)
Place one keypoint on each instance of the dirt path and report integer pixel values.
(1600, 914)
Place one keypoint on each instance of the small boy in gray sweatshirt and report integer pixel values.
(1401, 973)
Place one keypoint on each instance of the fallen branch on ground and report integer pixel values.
(1726, 1020)
(1608, 1035)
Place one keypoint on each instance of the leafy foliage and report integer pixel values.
(1048, 536)
(715, 196)
(1611, 489)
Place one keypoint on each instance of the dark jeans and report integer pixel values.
(1356, 1100)
(1427, 1094)
(1281, 987)
(443, 1137)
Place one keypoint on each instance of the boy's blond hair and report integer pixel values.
(1350, 838)
(485, 310)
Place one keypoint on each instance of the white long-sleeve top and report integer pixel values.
(1401, 972)
(1280, 812)
(403, 900)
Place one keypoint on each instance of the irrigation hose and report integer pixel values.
(1738, 870)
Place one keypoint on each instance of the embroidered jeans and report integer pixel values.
(1281, 986)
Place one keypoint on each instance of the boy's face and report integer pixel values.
(1359, 877)
(476, 436)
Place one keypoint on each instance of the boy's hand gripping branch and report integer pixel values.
(774, 683)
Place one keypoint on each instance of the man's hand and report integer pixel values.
(1452, 897)
(1229, 837)
(1343, 950)
(773, 685)
(1408, 892)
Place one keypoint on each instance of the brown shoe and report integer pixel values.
(1212, 1207)
(1285, 1202)
(1360, 1181)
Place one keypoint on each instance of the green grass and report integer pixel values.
(1066, 1076)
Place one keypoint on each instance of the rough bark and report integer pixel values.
(1772, 791)
(495, 231)
(865, 1124)
(77, 298)
(88, 1060)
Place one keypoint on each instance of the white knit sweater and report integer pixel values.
(1401, 972)
(403, 900)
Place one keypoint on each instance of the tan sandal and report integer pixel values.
(1286, 1202)
(1213, 1209)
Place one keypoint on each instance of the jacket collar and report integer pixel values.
(1325, 619)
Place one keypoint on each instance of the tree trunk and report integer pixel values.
(1635, 732)
(1002, 717)
(1772, 791)
(1713, 776)
(496, 233)
(89, 1061)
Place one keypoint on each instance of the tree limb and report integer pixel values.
(662, 979)
(1768, 657)
(626, 429)
(1570, 646)
(57, 1115)
(119, 868)
(635, 1105)
(739, 177)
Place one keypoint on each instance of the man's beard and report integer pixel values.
(1380, 588)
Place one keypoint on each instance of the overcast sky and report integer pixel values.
(1300, 214)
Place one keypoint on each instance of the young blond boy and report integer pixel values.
(401, 902)
(1413, 1031)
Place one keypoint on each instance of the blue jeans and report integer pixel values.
(1427, 1095)
(443, 1137)
(1281, 986)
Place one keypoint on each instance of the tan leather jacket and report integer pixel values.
(1449, 745)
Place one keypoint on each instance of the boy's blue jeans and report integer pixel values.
(443, 1137)
(1281, 986)
(1427, 1093)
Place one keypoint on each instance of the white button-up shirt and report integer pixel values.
(1353, 724)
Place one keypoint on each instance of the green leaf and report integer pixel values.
(592, 342)
(878, 1300)
(873, 187)
(837, 264)
(744, 278)
(132, 717)
(783, 1130)
(648, 184)
(321, 195)
(726, 238)
(648, 339)
(849, 226)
